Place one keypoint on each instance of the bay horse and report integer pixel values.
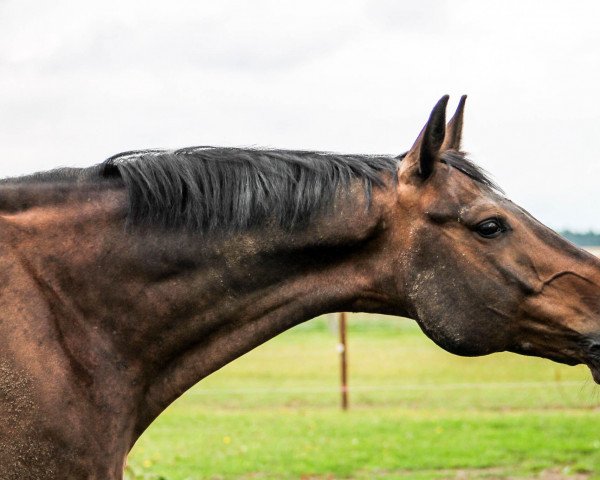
(125, 283)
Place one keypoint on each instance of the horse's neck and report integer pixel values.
(145, 314)
(235, 292)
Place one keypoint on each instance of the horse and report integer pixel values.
(124, 284)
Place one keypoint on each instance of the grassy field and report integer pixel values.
(416, 412)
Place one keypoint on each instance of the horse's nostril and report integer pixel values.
(595, 348)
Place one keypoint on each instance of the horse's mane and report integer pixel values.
(461, 162)
(212, 188)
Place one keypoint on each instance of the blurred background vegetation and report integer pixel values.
(583, 239)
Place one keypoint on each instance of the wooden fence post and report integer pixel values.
(342, 349)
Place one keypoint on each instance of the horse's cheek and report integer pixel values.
(454, 313)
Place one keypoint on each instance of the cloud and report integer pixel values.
(425, 16)
(185, 35)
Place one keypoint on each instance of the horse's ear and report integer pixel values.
(426, 149)
(454, 128)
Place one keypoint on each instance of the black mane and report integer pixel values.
(230, 189)
(210, 188)
(460, 161)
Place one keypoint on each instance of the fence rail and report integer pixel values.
(382, 388)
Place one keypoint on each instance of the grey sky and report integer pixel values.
(80, 81)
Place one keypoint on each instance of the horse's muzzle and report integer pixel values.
(593, 358)
(595, 369)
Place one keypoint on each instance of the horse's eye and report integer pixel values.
(489, 228)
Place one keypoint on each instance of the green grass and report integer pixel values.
(416, 412)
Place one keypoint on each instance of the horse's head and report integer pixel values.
(483, 274)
